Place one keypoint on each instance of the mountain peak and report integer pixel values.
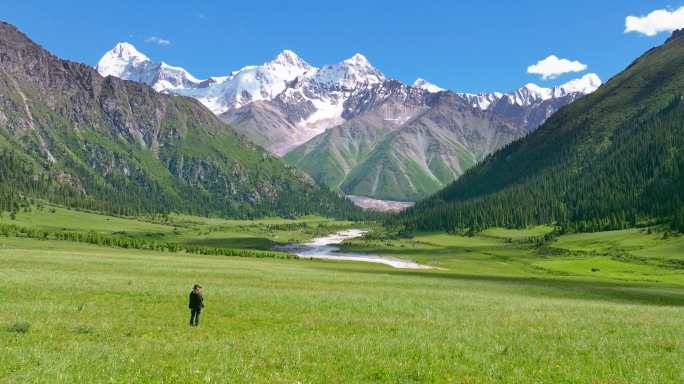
(125, 50)
(358, 59)
(530, 93)
(288, 53)
(350, 73)
(288, 58)
(676, 34)
(591, 77)
(533, 92)
(426, 85)
(120, 59)
(126, 62)
(533, 87)
(585, 85)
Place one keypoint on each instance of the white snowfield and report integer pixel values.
(327, 248)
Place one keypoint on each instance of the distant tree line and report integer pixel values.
(10, 230)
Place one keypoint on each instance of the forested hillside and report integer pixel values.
(610, 160)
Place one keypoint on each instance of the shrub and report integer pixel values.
(83, 330)
(19, 327)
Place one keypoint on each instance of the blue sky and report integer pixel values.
(461, 45)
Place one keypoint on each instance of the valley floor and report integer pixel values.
(496, 309)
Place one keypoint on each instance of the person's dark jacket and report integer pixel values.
(196, 301)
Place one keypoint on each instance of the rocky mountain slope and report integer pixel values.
(75, 137)
(610, 160)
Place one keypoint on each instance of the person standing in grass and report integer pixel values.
(196, 304)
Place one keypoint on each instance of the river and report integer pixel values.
(328, 247)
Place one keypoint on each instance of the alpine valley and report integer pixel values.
(351, 128)
(529, 236)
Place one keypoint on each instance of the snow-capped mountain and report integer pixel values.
(305, 99)
(530, 105)
(348, 74)
(250, 84)
(525, 96)
(286, 101)
(530, 94)
(246, 85)
(426, 85)
(126, 62)
(312, 102)
(585, 85)
(123, 61)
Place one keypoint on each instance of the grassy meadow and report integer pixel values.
(589, 308)
(635, 255)
(262, 234)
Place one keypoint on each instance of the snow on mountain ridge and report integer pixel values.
(585, 84)
(319, 94)
(169, 77)
(529, 94)
(357, 59)
(288, 65)
(348, 74)
(532, 93)
(123, 53)
(482, 100)
(288, 57)
(266, 81)
(248, 84)
(124, 60)
(426, 85)
(252, 83)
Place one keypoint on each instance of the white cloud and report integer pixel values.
(552, 67)
(157, 40)
(660, 20)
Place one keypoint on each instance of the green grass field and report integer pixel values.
(493, 311)
(631, 255)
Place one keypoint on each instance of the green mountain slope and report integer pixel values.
(400, 167)
(330, 157)
(404, 159)
(103, 143)
(609, 160)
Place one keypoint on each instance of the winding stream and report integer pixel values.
(328, 248)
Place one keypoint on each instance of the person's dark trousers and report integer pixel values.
(194, 317)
